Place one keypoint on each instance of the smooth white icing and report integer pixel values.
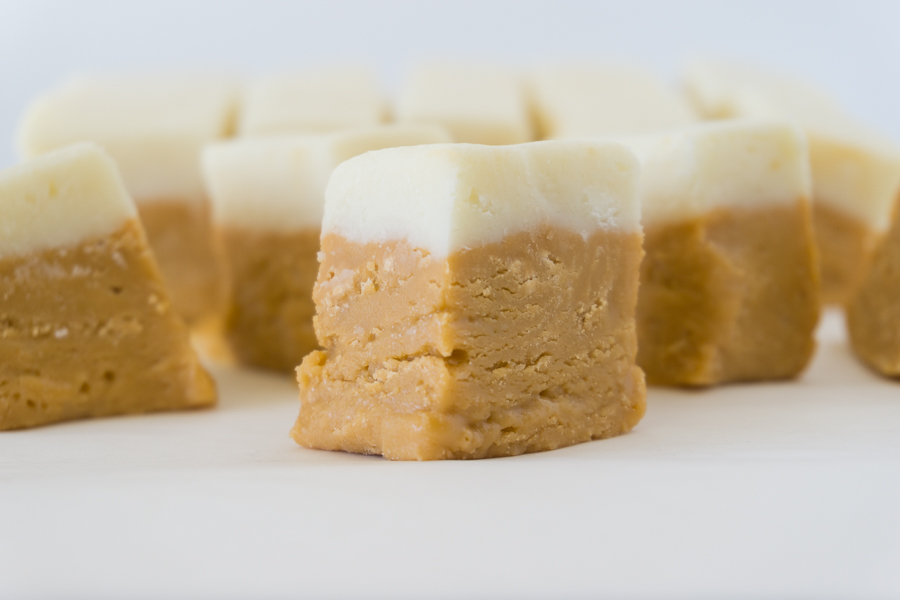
(447, 197)
(854, 169)
(590, 100)
(278, 182)
(312, 102)
(477, 104)
(688, 172)
(153, 126)
(60, 199)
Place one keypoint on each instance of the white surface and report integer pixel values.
(447, 197)
(752, 491)
(737, 163)
(61, 199)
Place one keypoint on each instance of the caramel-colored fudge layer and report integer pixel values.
(180, 233)
(844, 244)
(86, 331)
(730, 296)
(269, 318)
(515, 346)
(873, 314)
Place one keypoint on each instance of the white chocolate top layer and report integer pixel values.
(582, 102)
(312, 102)
(476, 104)
(153, 126)
(60, 199)
(278, 183)
(729, 164)
(448, 197)
(854, 169)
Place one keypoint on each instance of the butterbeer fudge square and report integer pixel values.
(154, 127)
(478, 104)
(312, 101)
(86, 324)
(475, 301)
(268, 195)
(583, 101)
(855, 171)
(729, 285)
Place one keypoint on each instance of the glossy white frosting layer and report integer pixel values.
(447, 197)
(154, 127)
(854, 169)
(590, 100)
(733, 164)
(477, 104)
(60, 199)
(278, 182)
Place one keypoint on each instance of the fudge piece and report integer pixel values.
(154, 127)
(585, 101)
(475, 301)
(86, 326)
(855, 172)
(873, 312)
(268, 195)
(729, 284)
(476, 104)
(312, 102)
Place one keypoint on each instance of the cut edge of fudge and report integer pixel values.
(475, 301)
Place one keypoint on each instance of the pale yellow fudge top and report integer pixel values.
(725, 164)
(60, 199)
(478, 104)
(153, 126)
(589, 100)
(447, 197)
(278, 182)
(316, 101)
(854, 169)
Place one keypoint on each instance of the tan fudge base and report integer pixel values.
(523, 345)
(269, 317)
(87, 331)
(181, 235)
(873, 314)
(732, 296)
(844, 245)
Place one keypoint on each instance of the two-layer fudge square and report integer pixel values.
(475, 301)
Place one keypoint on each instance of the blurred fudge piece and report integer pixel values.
(154, 127)
(477, 104)
(86, 327)
(873, 312)
(316, 101)
(855, 172)
(268, 195)
(475, 301)
(587, 101)
(729, 284)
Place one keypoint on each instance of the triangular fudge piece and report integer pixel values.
(86, 325)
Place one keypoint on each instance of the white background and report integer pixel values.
(851, 48)
(766, 491)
